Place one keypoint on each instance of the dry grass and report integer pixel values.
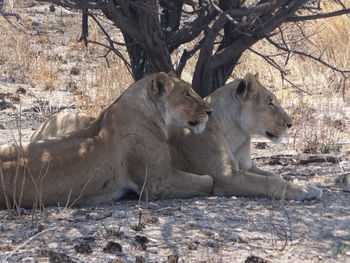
(321, 121)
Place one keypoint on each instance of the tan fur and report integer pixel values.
(125, 147)
(61, 124)
(240, 109)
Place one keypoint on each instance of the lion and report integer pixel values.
(124, 148)
(241, 109)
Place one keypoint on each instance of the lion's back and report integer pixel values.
(61, 124)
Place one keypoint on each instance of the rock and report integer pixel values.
(255, 259)
(142, 240)
(113, 248)
(6, 105)
(140, 259)
(21, 90)
(55, 257)
(261, 145)
(83, 248)
(74, 71)
(52, 8)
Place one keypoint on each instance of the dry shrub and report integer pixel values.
(15, 54)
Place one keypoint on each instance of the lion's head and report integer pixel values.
(178, 103)
(261, 113)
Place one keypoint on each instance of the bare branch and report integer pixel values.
(84, 27)
(224, 56)
(186, 55)
(309, 56)
(111, 45)
(318, 16)
(269, 60)
(190, 31)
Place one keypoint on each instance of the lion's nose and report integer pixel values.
(208, 112)
(289, 125)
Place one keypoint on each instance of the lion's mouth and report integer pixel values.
(270, 135)
(193, 123)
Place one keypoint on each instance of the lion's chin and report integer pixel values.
(199, 127)
(275, 139)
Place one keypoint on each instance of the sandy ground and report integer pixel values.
(211, 229)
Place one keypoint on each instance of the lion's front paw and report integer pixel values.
(310, 192)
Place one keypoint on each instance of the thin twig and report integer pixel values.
(308, 55)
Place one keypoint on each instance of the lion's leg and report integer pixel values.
(247, 184)
(179, 184)
(255, 170)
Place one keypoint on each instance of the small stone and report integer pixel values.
(255, 259)
(213, 244)
(140, 259)
(113, 247)
(142, 240)
(52, 8)
(261, 145)
(74, 71)
(21, 90)
(83, 248)
(5, 105)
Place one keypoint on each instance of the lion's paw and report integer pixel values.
(310, 192)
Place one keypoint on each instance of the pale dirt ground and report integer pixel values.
(212, 229)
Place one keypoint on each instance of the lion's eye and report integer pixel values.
(271, 102)
(188, 94)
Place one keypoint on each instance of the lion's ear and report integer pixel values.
(247, 86)
(161, 84)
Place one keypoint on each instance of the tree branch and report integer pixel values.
(309, 56)
(190, 31)
(318, 16)
(224, 56)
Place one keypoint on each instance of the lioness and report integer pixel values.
(124, 148)
(241, 109)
